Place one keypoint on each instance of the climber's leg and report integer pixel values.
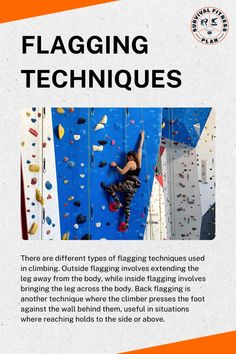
(112, 190)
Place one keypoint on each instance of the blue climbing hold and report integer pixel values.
(48, 185)
(48, 220)
(71, 164)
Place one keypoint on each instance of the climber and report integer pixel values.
(129, 186)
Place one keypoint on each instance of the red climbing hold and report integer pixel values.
(33, 132)
(114, 206)
(123, 227)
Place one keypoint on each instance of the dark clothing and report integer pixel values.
(129, 188)
(131, 173)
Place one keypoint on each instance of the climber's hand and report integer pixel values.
(113, 164)
(142, 133)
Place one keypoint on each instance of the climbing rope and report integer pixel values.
(149, 190)
(125, 130)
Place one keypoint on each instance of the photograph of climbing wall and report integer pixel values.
(117, 173)
(182, 205)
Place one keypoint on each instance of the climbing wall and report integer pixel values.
(186, 171)
(91, 139)
(39, 175)
(65, 155)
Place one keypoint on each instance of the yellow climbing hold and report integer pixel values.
(99, 126)
(65, 236)
(34, 168)
(163, 125)
(39, 197)
(61, 131)
(60, 110)
(97, 147)
(103, 120)
(33, 229)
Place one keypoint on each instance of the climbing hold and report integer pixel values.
(66, 181)
(123, 227)
(77, 203)
(33, 229)
(103, 207)
(113, 142)
(97, 148)
(102, 142)
(81, 121)
(48, 185)
(81, 219)
(102, 164)
(76, 226)
(86, 237)
(28, 162)
(66, 159)
(108, 223)
(34, 168)
(163, 125)
(48, 232)
(82, 187)
(60, 110)
(71, 110)
(103, 120)
(76, 137)
(132, 121)
(33, 132)
(33, 109)
(66, 215)
(66, 236)
(34, 180)
(82, 175)
(49, 196)
(82, 164)
(98, 224)
(60, 131)
(71, 142)
(98, 127)
(71, 197)
(39, 197)
(44, 145)
(28, 114)
(48, 220)
(33, 120)
(71, 164)
(22, 143)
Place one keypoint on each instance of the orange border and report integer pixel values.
(216, 344)
(18, 10)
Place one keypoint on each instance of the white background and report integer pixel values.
(208, 74)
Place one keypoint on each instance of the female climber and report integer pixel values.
(129, 186)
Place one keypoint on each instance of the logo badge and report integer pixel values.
(209, 25)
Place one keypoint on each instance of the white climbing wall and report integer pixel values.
(188, 176)
(37, 153)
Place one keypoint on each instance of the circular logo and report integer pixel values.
(209, 25)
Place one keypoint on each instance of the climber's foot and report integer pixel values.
(123, 227)
(115, 206)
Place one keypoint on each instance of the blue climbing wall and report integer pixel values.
(178, 124)
(83, 203)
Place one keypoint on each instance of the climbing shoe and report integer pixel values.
(123, 227)
(115, 206)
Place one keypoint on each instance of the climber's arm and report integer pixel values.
(140, 147)
(123, 170)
